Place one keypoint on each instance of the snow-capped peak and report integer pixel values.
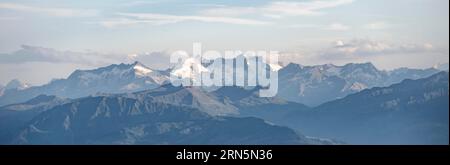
(189, 68)
(118, 74)
(141, 70)
(275, 67)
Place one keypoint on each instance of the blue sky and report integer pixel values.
(306, 31)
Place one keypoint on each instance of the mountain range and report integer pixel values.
(309, 85)
(116, 78)
(315, 85)
(14, 116)
(133, 104)
(138, 118)
(410, 112)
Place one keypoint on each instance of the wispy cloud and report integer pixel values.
(57, 12)
(240, 15)
(332, 27)
(160, 19)
(117, 22)
(279, 9)
(40, 54)
(303, 8)
(366, 47)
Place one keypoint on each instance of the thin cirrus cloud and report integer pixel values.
(365, 47)
(234, 14)
(213, 14)
(40, 54)
(160, 19)
(303, 8)
(56, 12)
(279, 9)
(331, 27)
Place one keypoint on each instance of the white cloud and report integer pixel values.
(126, 21)
(160, 19)
(303, 8)
(57, 12)
(232, 14)
(278, 9)
(34, 54)
(40, 54)
(376, 25)
(33, 64)
(383, 54)
(332, 27)
(364, 47)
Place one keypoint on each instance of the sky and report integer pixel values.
(45, 39)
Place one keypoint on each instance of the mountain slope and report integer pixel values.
(192, 97)
(143, 120)
(111, 79)
(411, 112)
(165, 115)
(248, 102)
(2, 89)
(13, 117)
(225, 101)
